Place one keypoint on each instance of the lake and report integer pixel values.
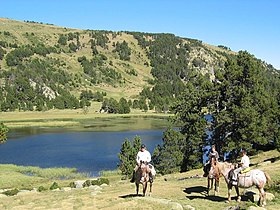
(88, 151)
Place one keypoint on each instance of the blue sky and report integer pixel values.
(252, 25)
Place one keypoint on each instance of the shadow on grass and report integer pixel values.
(200, 192)
(130, 196)
(203, 194)
(197, 189)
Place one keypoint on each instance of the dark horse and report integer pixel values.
(142, 176)
(211, 177)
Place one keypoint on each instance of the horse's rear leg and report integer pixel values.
(262, 199)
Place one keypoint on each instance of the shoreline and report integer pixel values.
(68, 118)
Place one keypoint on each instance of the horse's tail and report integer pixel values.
(267, 177)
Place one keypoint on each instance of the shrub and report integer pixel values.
(11, 192)
(54, 186)
(100, 181)
(87, 183)
(104, 181)
(95, 182)
(41, 189)
(72, 185)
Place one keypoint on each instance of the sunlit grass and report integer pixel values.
(30, 176)
(92, 120)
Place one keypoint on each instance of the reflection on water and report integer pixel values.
(87, 151)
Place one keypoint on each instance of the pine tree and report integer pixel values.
(127, 156)
(168, 158)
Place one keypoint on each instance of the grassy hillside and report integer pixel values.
(27, 33)
(31, 33)
(174, 191)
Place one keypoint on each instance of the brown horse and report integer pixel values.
(254, 177)
(142, 176)
(211, 177)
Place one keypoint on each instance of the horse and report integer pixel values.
(211, 177)
(142, 176)
(254, 177)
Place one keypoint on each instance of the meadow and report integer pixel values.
(174, 191)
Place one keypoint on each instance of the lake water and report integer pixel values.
(89, 152)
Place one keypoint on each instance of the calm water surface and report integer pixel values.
(89, 152)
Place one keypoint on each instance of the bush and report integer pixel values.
(54, 186)
(104, 181)
(95, 182)
(87, 183)
(72, 185)
(41, 189)
(100, 181)
(11, 192)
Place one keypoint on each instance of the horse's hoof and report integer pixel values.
(238, 199)
(227, 201)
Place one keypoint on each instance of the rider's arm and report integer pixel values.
(149, 157)
(138, 158)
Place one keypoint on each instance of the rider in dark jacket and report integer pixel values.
(213, 156)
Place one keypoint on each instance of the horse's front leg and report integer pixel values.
(217, 186)
(151, 185)
(229, 193)
(208, 186)
(144, 188)
(237, 193)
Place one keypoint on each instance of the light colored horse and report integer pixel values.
(142, 177)
(254, 177)
(211, 177)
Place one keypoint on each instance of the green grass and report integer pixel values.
(13, 176)
(92, 120)
(168, 190)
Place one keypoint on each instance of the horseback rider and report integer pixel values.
(245, 162)
(213, 157)
(143, 156)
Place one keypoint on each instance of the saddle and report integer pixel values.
(245, 170)
(245, 173)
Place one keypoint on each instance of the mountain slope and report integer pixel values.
(43, 66)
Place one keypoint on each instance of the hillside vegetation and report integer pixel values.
(43, 66)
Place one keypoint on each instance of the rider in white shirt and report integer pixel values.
(245, 162)
(144, 156)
